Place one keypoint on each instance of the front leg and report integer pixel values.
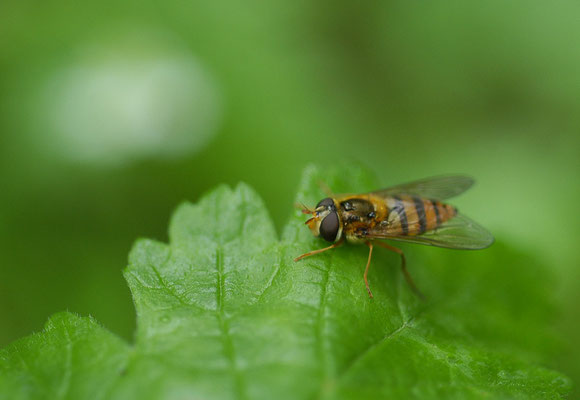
(313, 252)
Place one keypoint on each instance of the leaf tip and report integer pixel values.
(146, 251)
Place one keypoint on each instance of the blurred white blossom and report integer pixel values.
(132, 97)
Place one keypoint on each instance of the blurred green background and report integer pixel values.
(112, 113)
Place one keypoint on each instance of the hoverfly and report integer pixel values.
(413, 212)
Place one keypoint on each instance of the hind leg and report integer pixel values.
(403, 268)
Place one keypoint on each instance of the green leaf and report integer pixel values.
(223, 312)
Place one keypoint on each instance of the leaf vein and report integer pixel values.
(321, 324)
(168, 287)
(229, 348)
(274, 275)
(65, 383)
(369, 350)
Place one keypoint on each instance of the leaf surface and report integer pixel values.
(224, 313)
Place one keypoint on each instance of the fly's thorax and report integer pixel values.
(360, 214)
(357, 209)
(326, 222)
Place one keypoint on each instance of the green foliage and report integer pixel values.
(224, 312)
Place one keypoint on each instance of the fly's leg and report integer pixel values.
(403, 268)
(313, 252)
(370, 244)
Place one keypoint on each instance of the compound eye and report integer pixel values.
(329, 227)
(325, 202)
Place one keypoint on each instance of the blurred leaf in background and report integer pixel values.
(171, 98)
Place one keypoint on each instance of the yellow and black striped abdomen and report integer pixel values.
(409, 215)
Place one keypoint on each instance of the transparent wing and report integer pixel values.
(435, 188)
(459, 232)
